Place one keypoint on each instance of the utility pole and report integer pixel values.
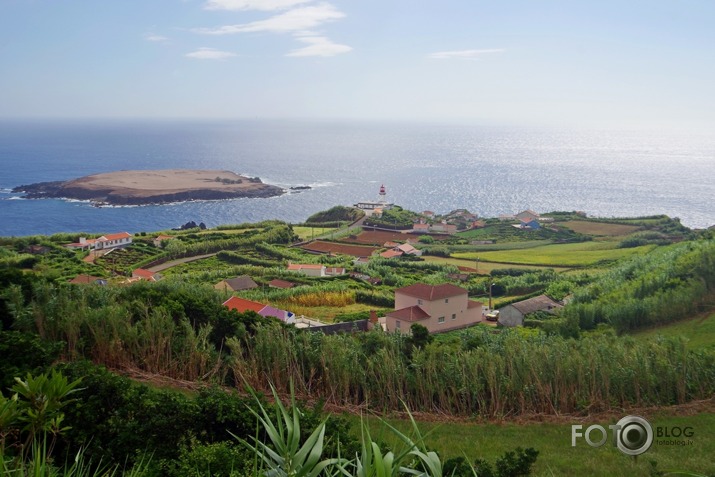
(490, 297)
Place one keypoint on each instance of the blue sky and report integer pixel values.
(609, 63)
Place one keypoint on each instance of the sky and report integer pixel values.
(605, 63)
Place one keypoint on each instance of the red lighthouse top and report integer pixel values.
(382, 190)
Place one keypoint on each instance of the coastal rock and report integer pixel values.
(153, 187)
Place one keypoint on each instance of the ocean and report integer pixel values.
(489, 170)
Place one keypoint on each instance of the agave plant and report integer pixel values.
(286, 457)
(413, 459)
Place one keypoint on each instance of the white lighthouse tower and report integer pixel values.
(383, 195)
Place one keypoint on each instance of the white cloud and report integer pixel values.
(297, 19)
(210, 54)
(319, 46)
(153, 37)
(265, 5)
(463, 54)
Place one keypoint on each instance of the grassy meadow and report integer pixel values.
(307, 233)
(553, 441)
(580, 254)
(698, 331)
(485, 268)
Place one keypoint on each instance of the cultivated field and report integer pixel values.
(485, 268)
(325, 247)
(565, 255)
(599, 228)
(379, 237)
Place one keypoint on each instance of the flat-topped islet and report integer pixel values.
(152, 187)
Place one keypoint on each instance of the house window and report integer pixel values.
(454, 316)
(397, 324)
(446, 300)
(419, 302)
(440, 319)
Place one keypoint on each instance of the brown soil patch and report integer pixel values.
(379, 237)
(599, 228)
(332, 247)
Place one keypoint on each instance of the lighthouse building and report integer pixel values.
(376, 207)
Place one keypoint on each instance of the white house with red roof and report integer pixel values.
(436, 307)
(105, 242)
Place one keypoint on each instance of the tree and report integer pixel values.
(420, 336)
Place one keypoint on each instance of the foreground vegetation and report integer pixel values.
(587, 359)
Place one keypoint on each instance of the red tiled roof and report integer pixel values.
(391, 254)
(121, 235)
(474, 304)
(432, 292)
(411, 313)
(141, 273)
(407, 248)
(280, 284)
(241, 304)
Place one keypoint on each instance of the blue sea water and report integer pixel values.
(440, 167)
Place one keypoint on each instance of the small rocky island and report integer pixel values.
(152, 187)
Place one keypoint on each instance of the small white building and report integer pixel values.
(104, 242)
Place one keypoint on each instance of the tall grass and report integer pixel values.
(182, 331)
(483, 375)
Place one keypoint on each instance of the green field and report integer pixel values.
(566, 255)
(699, 331)
(306, 233)
(553, 441)
(485, 268)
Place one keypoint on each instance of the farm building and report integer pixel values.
(513, 315)
(244, 282)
